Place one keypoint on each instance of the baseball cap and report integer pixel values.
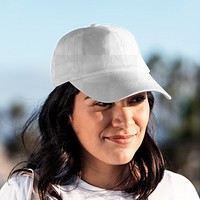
(104, 62)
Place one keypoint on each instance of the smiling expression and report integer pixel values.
(110, 133)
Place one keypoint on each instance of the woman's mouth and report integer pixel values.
(120, 139)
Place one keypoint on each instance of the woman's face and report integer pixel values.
(110, 133)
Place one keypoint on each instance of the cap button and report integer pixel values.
(93, 25)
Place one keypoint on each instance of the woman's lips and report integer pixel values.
(121, 139)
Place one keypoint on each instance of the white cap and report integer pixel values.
(104, 62)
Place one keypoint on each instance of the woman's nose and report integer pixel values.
(123, 118)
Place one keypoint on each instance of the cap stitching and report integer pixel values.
(76, 56)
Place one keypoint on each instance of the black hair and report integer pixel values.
(57, 158)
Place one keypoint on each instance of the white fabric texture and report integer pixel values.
(172, 187)
(104, 62)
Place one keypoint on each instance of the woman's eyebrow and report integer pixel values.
(87, 97)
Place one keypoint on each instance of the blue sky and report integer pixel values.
(31, 29)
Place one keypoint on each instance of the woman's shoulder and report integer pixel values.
(174, 186)
(18, 187)
(178, 180)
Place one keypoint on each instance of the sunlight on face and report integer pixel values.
(110, 133)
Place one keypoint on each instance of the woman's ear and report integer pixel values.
(70, 119)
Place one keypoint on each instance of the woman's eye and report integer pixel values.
(138, 99)
(101, 104)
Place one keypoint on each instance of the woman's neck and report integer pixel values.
(104, 175)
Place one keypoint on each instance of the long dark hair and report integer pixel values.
(57, 158)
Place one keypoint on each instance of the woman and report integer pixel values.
(96, 126)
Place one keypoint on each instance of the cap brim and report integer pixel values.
(117, 85)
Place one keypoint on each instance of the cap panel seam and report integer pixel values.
(76, 55)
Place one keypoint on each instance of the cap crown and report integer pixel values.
(95, 50)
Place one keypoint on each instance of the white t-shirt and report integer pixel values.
(172, 187)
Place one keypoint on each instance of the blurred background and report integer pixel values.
(168, 35)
